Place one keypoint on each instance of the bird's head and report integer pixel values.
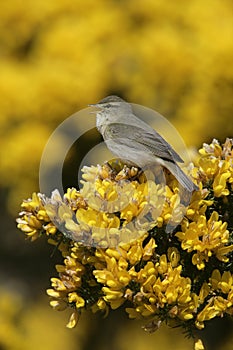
(112, 109)
(111, 102)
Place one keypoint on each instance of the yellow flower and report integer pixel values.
(58, 285)
(214, 307)
(204, 292)
(173, 256)
(216, 165)
(100, 305)
(198, 204)
(206, 238)
(74, 199)
(117, 250)
(114, 278)
(199, 345)
(149, 249)
(34, 219)
(73, 319)
(223, 283)
(75, 298)
(220, 183)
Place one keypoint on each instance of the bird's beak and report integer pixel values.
(95, 105)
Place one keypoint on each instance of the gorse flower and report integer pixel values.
(117, 249)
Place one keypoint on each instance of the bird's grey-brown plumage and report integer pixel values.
(128, 137)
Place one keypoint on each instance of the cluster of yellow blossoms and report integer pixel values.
(117, 250)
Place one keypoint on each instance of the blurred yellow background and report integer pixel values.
(55, 58)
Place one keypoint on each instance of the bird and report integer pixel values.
(130, 138)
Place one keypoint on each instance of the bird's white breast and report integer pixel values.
(100, 121)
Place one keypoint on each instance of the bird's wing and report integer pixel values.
(149, 139)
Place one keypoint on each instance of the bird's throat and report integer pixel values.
(100, 122)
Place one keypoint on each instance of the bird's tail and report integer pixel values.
(181, 177)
